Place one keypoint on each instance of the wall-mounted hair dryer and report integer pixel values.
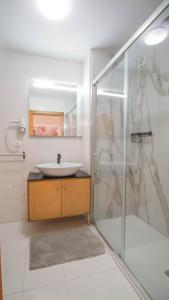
(20, 124)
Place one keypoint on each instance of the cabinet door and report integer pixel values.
(44, 200)
(0, 281)
(75, 197)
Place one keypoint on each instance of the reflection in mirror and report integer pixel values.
(54, 109)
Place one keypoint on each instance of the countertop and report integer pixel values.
(39, 176)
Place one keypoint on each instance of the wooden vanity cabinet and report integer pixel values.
(75, 197)
(44, 199)
(1, 292)
(50, 199)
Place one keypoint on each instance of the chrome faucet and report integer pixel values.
(59, 158)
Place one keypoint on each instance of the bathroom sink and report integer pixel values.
(53, 169)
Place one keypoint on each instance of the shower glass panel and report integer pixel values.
(108, 156)
(147, 168)
(131, 184)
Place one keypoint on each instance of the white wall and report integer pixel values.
(93, 64)
(100, 60)
(86, 105)
(46, 104)
(16, 72)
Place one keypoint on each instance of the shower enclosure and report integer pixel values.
(131, 156)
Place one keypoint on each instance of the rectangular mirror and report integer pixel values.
(54, 109)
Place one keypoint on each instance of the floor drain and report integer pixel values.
(167, 273)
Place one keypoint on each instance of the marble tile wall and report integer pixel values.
(147, 171)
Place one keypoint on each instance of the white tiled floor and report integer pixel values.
(94, 278)
(146, 253)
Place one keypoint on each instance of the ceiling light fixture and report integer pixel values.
(155, 36)
(54, 9)
(109, 94)
(51, 85)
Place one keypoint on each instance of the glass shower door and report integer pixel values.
(131, 184)
(147, 172)
(108, 156)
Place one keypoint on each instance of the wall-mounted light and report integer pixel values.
(52, 85)
(109, 93)
(54, 9)
(156, 36)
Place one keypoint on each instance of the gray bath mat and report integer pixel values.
(63, 246)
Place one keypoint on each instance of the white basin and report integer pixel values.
(53, 169)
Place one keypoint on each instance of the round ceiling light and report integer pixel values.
(54, 9)
(156, 36)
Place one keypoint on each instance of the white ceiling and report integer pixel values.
(92, 24)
